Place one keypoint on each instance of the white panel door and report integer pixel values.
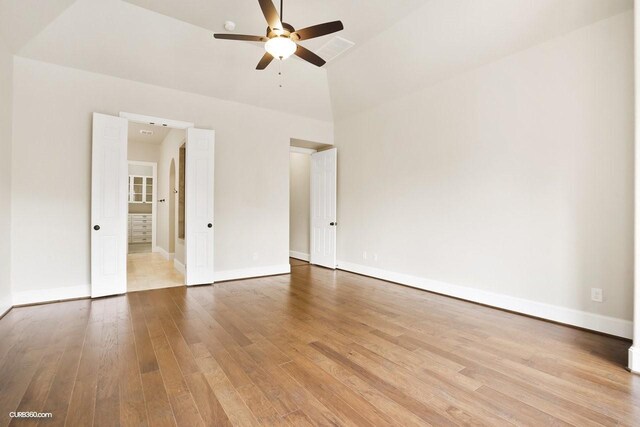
(109, 177)
(199, 207)
(323, 208)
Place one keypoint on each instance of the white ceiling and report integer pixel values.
(362, 18)
(120, 39)
(159, 133)
(21, 20)
(401, 45)
(444, 38)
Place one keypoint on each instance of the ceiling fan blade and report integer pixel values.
(309, 56)
(265, 61)
(319, 30)
(271, 14)
(241, 37)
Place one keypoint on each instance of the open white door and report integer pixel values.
(323, 208)
(199, 207)
(109, 206)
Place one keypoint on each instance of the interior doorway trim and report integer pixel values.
(301, 150)
(154, 202)
(634, 351)
(110, 132)
(157, 121)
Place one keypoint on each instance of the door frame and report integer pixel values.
(308, 151)
(156, 121)
(154, 201)
(160, 122)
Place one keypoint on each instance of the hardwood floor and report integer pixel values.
(314, 348)
(297, 263)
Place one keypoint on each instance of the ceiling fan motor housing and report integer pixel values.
(281, 38)
(287, 31)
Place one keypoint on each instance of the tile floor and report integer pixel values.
(138, 248)
(151, 271)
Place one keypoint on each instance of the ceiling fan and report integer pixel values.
(281, 39)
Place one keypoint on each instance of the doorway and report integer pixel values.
(152, 152)
(129, 206)
(299, 205)
(312, 204)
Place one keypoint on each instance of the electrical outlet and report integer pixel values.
(596, 294)
(375, 257)
(364, 254)
(256, 256)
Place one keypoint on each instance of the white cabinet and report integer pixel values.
(140, 189)
(140, 228)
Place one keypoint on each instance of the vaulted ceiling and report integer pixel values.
(21, 20)
(362, 18)
(444, 38)
(121, 39)
(401, 45)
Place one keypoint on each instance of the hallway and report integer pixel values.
(151, 271)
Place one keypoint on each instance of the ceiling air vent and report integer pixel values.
(334, 48)
(146, 132)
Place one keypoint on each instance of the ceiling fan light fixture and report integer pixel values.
(281, 38)
(280, 47)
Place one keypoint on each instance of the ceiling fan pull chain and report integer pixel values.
(280, 72)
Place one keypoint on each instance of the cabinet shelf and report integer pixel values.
(140, 189)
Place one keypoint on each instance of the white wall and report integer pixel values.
(141, 170)
(52, 130)
(169, 150)
(300, 169)
(6, 89)
(143, 151)
(510, 184)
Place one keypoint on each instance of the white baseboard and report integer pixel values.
(166, 255)
(299, 255)
(73, 292)
(595, 322)
(245, 273)
(50, 295)
(5, 304)
(178, 266)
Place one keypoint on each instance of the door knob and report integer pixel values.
(333, 223)
(209, 225)
(96, 227)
